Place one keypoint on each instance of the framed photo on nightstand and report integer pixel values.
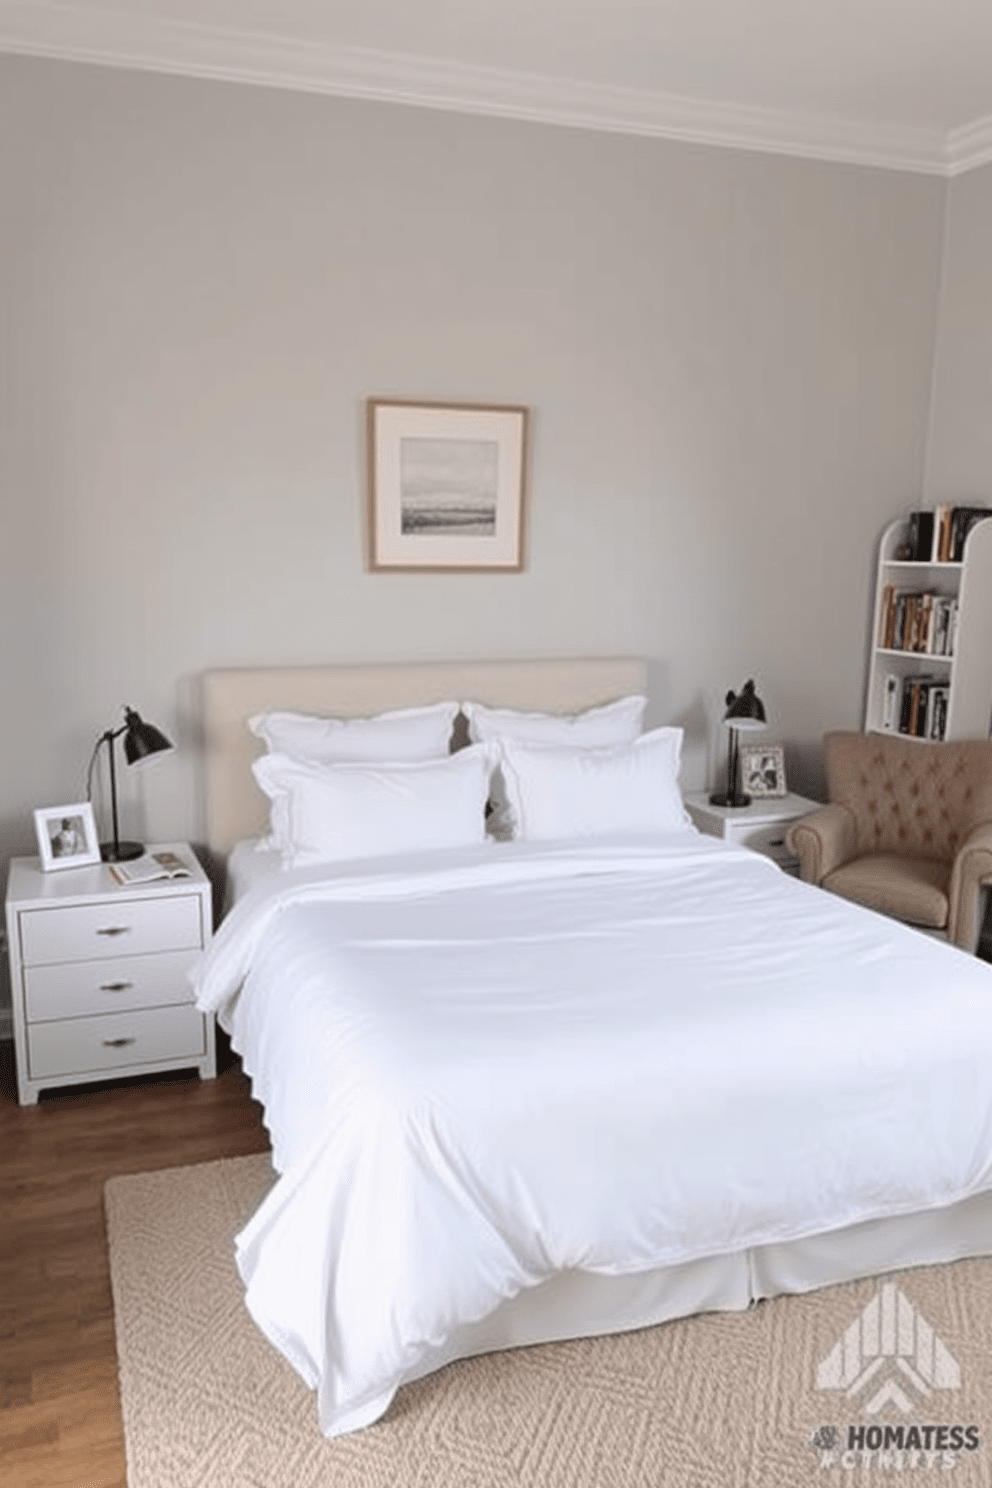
(763, 770)
(66, 836)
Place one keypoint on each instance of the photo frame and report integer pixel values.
(66, 836)
(763, 770)
(447, 485)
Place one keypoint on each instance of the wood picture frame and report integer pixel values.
(447, 485)
(66, 836)
(763, 770)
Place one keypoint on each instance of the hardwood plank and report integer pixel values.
(60, 1415)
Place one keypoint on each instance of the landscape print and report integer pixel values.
(446, 484)
(448, 487)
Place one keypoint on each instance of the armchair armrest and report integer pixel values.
(822, 841)
(972, 868)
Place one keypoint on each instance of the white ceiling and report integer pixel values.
(900, 83)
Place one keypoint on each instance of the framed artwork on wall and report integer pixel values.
(763, 769)
(446, 485)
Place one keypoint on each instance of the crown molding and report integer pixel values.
(969, 147)
(148, 43)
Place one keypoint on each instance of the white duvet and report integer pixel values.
(481, 1068)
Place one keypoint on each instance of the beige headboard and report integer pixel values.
(236, 808)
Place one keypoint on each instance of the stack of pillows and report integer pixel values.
(359, 787)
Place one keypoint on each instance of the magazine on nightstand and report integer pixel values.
(149, 868)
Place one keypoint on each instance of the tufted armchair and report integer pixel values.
(907, 831)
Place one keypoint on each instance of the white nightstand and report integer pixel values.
(99, 973)
(760, 826)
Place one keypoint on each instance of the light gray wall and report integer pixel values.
(728, 357)
(959, 457)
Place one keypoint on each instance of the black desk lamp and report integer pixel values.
(141, 741)
(745, 710)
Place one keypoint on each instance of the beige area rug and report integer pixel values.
(720, 1401)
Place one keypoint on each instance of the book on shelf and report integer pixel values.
(150, 868)
(942, 540)
(920, 536)
(939, 536)
(942, 632)
(963, 519)
(936, 719)
(922, 709)
(891, 694)
(887, 617)
(914, 621)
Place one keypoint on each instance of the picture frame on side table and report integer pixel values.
(763, 770)
(66, 836)
(447, 485)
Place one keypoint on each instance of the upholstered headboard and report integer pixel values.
(236, 808)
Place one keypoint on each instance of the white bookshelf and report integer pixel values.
(967, 671)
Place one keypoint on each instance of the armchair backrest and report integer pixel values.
(910, 797)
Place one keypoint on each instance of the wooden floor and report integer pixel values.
(60, 1416)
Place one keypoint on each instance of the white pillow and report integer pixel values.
(404, 734)
(611, 723)
(341, 811)
(591, 792)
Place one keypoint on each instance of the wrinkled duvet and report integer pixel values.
(480, 1068)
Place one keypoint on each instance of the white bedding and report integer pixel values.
(484, 1067)
(249, 863)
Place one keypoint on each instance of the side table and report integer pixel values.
(760, 826)
(99, 973)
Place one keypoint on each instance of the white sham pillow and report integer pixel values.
(337, 811)
(610, 723)
(560, 792)
(403, 734)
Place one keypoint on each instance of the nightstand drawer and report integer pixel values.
(93, 1045)
(124, 927)
(78, 989)
(767, 839)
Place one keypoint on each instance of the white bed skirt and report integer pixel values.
(578, 1304)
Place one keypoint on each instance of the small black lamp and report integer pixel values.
(141, 741)
(745, 710)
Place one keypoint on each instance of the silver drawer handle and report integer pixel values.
(120, 1043)
(115, 986)
(114, 930)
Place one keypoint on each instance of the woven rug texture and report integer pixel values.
(717, 1401)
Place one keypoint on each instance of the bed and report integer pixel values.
(568, 1086)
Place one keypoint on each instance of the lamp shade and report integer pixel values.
(745, 710)
(141, 739)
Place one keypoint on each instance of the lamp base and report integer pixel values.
(736, 800)
(122, 853)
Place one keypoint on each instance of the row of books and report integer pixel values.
(939, 536)
(913, 621)
(916, 706)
